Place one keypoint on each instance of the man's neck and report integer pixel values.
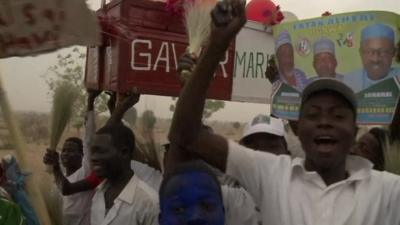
(71, 170)
(375, 78)
(329, 175)
(119, 181)
(115, 186)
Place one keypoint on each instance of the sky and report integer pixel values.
(26, 89)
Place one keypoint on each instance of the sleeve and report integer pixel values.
(90, 129)
(239, 206)
(256, 171)
(151, 218)
(151, 210)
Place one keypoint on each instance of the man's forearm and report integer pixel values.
(61, 181)
(186, 122)
(116, 116)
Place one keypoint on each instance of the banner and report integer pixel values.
(29, 27)
(357, 48)
(142, 50)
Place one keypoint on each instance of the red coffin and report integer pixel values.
(141, 45)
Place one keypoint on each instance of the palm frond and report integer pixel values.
(198, 23)
(63, 100)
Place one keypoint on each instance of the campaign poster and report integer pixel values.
(357, 48)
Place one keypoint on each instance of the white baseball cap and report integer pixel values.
(264, 124)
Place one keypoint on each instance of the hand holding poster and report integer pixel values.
(357, 48)
(30, 27)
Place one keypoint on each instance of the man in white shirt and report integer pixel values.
(327, 187)
(75, 157)
(122, 198)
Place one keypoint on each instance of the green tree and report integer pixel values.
(210, 107)
(70, 69)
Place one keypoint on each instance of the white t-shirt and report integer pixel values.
(76, 207)
(287, 194)
(238, 204)
(137, 204)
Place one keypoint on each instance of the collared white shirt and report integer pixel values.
(239, 205)
(76, 207)
(147, 174)
(137, 204)
(289, 195)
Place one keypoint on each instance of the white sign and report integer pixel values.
(29, 27)
(254, 46)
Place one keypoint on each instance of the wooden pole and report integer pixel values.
(20, 148)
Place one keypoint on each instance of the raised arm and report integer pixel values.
(185, 133)
(52, 159)
(125, 102)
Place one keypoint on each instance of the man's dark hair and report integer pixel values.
(380, 135)
(190, 166)
(77, 141)
(121, 136)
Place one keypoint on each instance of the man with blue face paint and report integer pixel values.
(377, 50)
(327, 187)
(191, 195)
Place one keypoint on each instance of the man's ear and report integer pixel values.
(126, 151)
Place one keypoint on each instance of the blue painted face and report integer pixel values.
(191, 198)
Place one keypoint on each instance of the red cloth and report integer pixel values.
(93, 180)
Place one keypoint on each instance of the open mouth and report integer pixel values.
(64, 160)
(97, 167)
(325, 140)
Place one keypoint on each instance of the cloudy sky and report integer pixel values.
(26, 89)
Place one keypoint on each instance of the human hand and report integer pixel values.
(128, 99)
(228, 16)
(51, 158)
(186, 64)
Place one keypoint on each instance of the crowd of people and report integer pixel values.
(208, 179)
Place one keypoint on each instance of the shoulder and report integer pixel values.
(394, 71)
(240, 153)
(299, 74)
(387, 177)
(235, 194)
(355, 79)
(354, 74)
(145, 191)
(389, 183)
(78, 175)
